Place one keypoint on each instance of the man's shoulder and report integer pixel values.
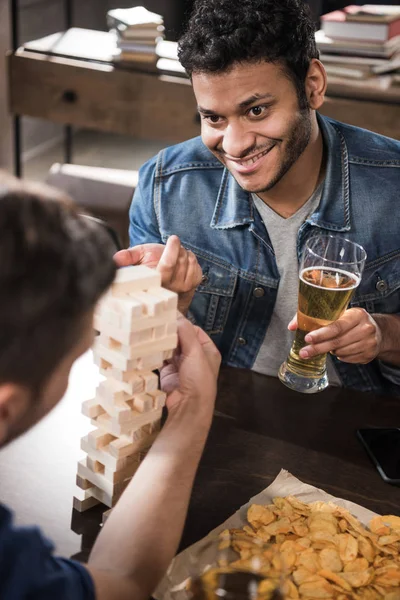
(367, 147)
(191, 154)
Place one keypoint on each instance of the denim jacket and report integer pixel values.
(186, 191)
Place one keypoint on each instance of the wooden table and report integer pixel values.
(259, 427)
(94, 94)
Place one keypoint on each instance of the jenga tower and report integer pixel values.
(137, 321)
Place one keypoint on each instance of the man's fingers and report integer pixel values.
(188, 340)
(354, 336)
(293, 324)
(130, 256)
(330, 332)
(209, 348)
(169, 259)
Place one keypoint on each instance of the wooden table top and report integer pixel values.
(259, 427)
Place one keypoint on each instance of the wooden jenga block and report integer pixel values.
(135, 279)
(120, 411)
(83, 483)
(100, 481)
(151, 362)
(159, 398)
(129, 427)
(104, 456)
(105, 516)
(99, 439)
(170, 299)
(127, 335)
(153, 305)
(122, 474)
(121, 355)
(150, 381)
(168, 354)
(94, 465)
(82, 504)
(171, 328)
(159, 332)
(142, 402)
(91, 408)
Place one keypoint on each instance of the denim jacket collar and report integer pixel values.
(234, 206)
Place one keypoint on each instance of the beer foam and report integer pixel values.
(351, 276)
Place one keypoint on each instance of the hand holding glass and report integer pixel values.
(330, 270)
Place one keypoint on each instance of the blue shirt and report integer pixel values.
(186, 191)
(29, 571)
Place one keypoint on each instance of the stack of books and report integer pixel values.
(138, 32)
(168, 63)
(361, 42)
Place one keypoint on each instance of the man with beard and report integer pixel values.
(268, 173)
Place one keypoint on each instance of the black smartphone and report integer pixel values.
(383, 447)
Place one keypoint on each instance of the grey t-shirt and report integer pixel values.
(283, 235)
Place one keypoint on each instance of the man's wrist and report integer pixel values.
(389, 326)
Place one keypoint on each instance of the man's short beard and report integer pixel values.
(296, 144)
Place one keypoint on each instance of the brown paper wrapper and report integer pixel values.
(285, 484)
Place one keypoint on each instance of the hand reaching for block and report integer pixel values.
(178, 267)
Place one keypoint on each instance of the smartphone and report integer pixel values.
(383, 447)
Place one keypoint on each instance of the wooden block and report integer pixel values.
(130, 427)
(152, 429)
(105, 516)
(122, 474)
(153, 306)
(118, 313)
(159, 398)
(107, 499)
(104, 456)
(128, 335)
(134, 279)
(122, 354)
(99, 480)
(151, 362)
(150, 380)
(84, 504)
(117, 410)
(170, 299)
(112, 390)
(168, 354)
(94, 465)
(98, 438)
(91, 408)
(142, 402)
(83, 483)
(171, 327)
(159, 332)
(123, 446)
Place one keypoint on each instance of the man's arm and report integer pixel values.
(142, 534)
(389, 326)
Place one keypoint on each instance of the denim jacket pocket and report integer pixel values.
(379, 290)
(213, 298)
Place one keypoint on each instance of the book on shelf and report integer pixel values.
(339, 70)
(166, 49)
(133, 57)
(336, 25)
(357, 47)
(171, 67)
(372, 13)
(133, 46)
(138, 17)
(140, 34)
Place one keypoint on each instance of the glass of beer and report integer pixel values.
(330, 270)
(236, 568)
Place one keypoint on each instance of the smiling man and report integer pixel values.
(268, 173)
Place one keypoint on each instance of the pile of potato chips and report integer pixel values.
(324, 552)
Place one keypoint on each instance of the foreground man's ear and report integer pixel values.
(14, 402)
(315, 84)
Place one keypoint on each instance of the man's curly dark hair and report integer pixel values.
(221, 33)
